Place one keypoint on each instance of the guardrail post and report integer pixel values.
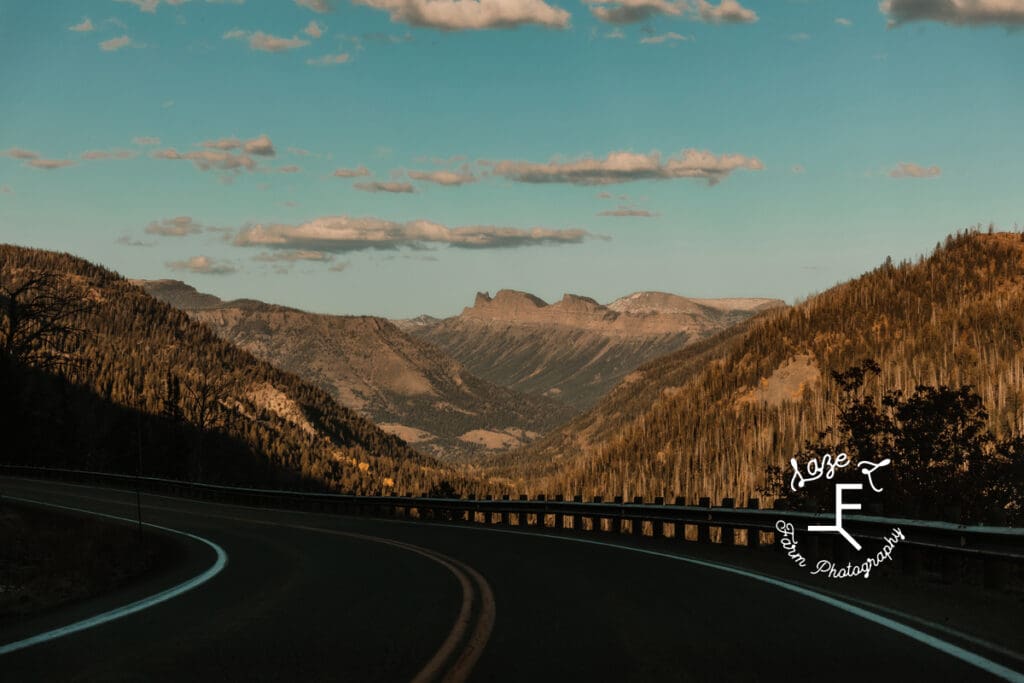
(488, 515)
(559, 517)
(995, 571)
(753, 533)
(679, 528)
(952, 562)
(577, 521)
(728, 532)
(704, 528)
(504, 517)
(617, 519)
(658, 525)
(597, 522)
(541, 515)
(637, 525)
(521, 517)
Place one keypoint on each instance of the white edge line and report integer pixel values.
(972, 658)
(131, 608)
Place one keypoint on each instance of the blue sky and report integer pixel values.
(745, 149)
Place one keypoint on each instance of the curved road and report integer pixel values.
(311, 597)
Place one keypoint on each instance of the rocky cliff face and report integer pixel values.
(576, 349)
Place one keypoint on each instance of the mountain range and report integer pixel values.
(576, 349)
(406, 385)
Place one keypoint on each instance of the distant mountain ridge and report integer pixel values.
(576, 349)
(406, 385)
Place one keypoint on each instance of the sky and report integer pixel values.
(394, 157)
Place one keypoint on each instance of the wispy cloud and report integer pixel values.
(260, 146)
(393, 187)
(180, 226)
(206, 160)
(313, 30)
(464, 15)
(910, 170)
(340, 234)
(665, 37)
(843, 21)
(19, 153)
(290, 168)
(83, 27)
(100, 154)
(329, 60)
(627, 212)
(145, 141)
(954, 12)
(115, 44)
(633, 11)
(320, 6)
(50, 164)
(622, 167)
(265, 42)
(450, 178)
(203, 265)
(725, 12)
(359, 172)
(291, 256)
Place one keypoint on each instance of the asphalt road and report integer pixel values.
(309, 597)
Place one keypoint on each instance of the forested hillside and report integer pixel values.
(707, 420)
(96, 372)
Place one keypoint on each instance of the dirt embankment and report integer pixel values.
(50, 558)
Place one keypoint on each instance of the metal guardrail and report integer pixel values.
(995, 546)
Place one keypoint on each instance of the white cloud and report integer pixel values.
(392, 187)
(339, 234)
(206, 160)
(260, 146)
(203, 265)
(291, 256)
(726, 12)
(622, 167)
(50, 164)
(954, 12)
(84, 27)
(99, 154)
(910, 170)
(633, 11)
(329, 60)
(319, 6)
(360, 172)
(450, 178)
(19, 153)
(313, 30)
(843, 21)
(264, 42)
(627, 212)
(180, 226)
(461, 15)
(115, 44)
(665, 37)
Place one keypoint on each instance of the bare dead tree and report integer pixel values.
(39, 314)
(202, 394)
